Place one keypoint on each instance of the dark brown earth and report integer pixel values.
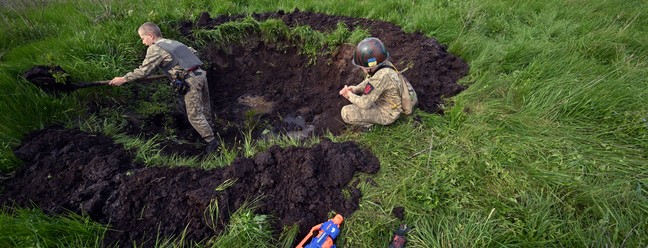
(257, 85)
(66, 169)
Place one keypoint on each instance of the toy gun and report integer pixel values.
(398, 240)
(328, 231)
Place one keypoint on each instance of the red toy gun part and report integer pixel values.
(398, 241)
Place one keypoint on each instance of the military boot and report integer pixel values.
(212, 146)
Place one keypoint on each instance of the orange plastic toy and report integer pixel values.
(328, 231)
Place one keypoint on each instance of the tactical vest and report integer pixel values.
(180, 53)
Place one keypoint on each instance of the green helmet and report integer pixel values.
(370, 52)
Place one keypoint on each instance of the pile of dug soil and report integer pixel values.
(66, 169)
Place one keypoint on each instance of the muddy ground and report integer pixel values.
(66, 169)
(84, 172)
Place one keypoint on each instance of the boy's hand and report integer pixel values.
(117, 81)
(345, 91)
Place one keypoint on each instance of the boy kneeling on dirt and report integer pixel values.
(384, 95)
(182, 66)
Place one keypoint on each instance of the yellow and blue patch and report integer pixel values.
(371, 62)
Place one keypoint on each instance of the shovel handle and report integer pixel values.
(99, 83)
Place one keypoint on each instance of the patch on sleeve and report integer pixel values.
(368, 88)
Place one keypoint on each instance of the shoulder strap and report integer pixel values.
(383, 66)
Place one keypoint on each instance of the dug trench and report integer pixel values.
(71, 170)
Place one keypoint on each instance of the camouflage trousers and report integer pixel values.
(198, 104)
(355, 115)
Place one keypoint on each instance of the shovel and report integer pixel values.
(46, 78)
(101, 83)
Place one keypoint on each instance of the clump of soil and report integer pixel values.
(399, 213)
(66, 169)
(52, 79)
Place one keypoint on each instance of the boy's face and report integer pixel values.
(369, 70)
(147, 38)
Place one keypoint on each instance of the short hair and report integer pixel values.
(149, 27)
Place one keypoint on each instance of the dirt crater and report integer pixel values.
(277, 73)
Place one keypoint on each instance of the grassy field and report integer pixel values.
(547, 147)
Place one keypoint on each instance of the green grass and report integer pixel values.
(33, 228)
(245, 229)
(547, 147)
(311, 42)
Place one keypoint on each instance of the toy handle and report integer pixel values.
(308, 236)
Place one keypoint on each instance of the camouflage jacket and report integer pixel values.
(381, 89)
(155, 56)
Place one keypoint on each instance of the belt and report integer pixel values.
(193, 72)
(197, 67)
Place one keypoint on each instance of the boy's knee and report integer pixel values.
(347, 112)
